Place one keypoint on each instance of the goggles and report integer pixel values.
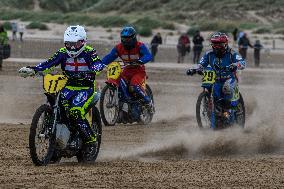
(218, 45)
(74, 45)
(127, 39)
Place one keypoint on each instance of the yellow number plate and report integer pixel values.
(208, 77)
(114, 70)
(54, 83)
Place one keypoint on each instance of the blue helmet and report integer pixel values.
(128, 37)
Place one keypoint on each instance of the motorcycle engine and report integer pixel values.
(62, 135)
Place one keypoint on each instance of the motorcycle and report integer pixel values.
(211, 113)
(118, 104)
(51, 136)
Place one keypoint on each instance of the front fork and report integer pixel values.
(211, 107)
(55, 112)
(49, 130)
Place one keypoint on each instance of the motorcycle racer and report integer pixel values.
(134, 54)
(225, 62)
(79, 62)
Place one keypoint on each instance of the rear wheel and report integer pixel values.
(147, 114)
(203, 110)
(41, 140)
(97, 129)
(109, 106)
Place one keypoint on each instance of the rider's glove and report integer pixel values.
(139, 62)
(98, 67)
(233, 67)
(190, 72)
(26, 72)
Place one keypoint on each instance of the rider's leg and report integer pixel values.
(231, 96)
(124, 88)
(136, 83)
(79, 107)
(140, 92)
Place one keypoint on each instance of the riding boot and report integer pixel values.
(86, 132)
(147, 100)
(137, 89)
(89, 139)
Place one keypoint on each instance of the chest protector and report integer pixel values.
(76, 64)
(129, 56)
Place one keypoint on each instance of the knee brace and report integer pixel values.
(75, 114)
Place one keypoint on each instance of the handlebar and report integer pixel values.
(82, 74)
(124, 64)
(199, 70)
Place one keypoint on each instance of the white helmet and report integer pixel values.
(75, 38)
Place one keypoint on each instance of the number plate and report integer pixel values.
(208, 77)
(54, 83)
(114, 70)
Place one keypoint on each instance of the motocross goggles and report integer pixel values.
(219, 45)
(127, 39)
(74, 45)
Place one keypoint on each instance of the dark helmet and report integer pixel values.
(219, 43)
(128, 37)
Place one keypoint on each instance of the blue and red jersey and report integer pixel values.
(139, 53)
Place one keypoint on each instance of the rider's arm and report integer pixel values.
(239, 61)
(110, 57)
(96, 64)
(52, 62)
(146, 55)
(204, 61)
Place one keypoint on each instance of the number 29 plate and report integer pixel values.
(208, 77)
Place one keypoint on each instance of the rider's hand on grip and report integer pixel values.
(190, 72)
(26, 72)
(233, 67)
(139, 62)
(200, 71)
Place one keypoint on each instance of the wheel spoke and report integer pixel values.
(110, 106)
(42, 142)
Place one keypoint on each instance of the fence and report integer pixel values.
(39, 48)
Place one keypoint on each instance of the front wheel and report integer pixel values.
(203, 110)
(97, 129)
(109, 106)
(41, 139)
(147, 114)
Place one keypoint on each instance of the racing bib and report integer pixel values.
(114, 70)
(208, 77)
(54, 83)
